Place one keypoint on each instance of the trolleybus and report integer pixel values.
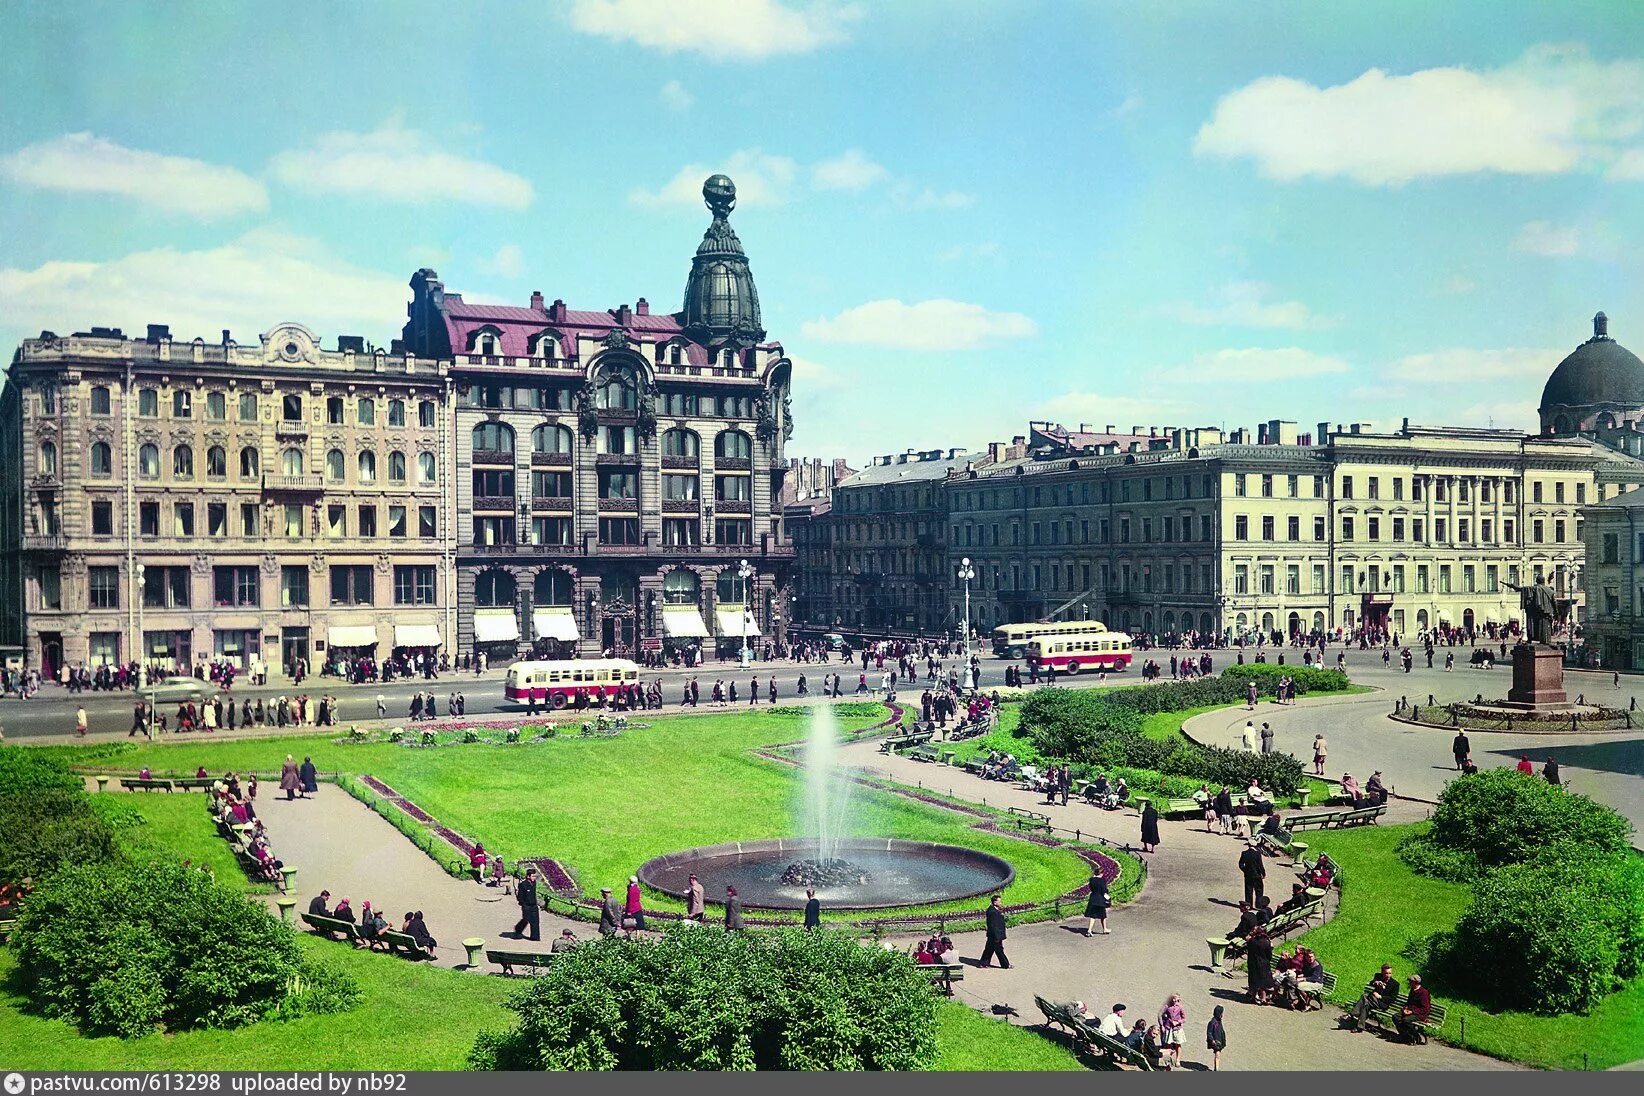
(558, 683)
(1011, 640)
(1070, 654)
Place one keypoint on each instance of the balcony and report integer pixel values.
(690, 463)
(617, 458)
(619, 506)
(45, 542)
(733, 506)
(46, 481)
(733, 464)
(494, 503)
(290, 431)
(493, 456)
(681, 506)
(550, 460)
(305, 483)
(551, 502)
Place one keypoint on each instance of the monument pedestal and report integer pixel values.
(1538, 677)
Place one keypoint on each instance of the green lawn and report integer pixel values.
(602, 806)
(152, 825)
(1386, 907)
(967, 1040)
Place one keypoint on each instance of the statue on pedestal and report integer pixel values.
(1540, 610)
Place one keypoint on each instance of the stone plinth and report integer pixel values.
(1538, 677)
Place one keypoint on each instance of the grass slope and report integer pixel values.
(968, 1041)
(1386, 908)
(151, 826)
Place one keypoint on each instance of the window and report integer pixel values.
(1612, 548)
(351, 584)
(367, 464)
(104, 586)
(182, 463)
(557, 485)
(1372, 528)
(396, 412)
(234, 587)
(494, 589)
(291, 408)
(1241, 527)
(493, 437)
(102, 519)
(425, 468)
(493, 530)
(1507, 531)
(680, 532)
(1267, 527)
(1318, 530)
(1373, 485)
(367, 412)
(51, 587)
(48, 458)
(216, 406)
(217, 519)
(291, 462)
(100, 400)
(733, 531)
(733, 445)
(368, 521)
(427, 522)
(1581, 494)
(248, 407)
(182, 404)
(1535, 491)
(396, 467)
(182, 517)
(1267, 487)
(618, 439)
(739, 489)
(1558, 491)
(294, 587)
(102, 459)
(618, 484)
(1346, 528)
(1537, 531)
(680, 443)
(249, 462)
(336, 522)
(425, 414)
(548, 438)
(396, 521)
(622, 531)
(1347, 579)
(334, 410)
(1241, 579)
(1558, 531)
(165, 587)
(335, 465)
(216, 462)
(1239, 485)
(148, 461)
(148, 519)
(617, 393)
(1347, 487)
(555, 531)
(1444, 578)
(414, 585)
(248, 519)
(1318, 578)
(148, 403)
(1292, 528)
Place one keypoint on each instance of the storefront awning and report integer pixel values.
(555, 622)
(731, 623)
(416, 635)
(352, 635)
(495, 626)
(683, 622)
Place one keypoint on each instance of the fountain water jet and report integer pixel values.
(825, 810)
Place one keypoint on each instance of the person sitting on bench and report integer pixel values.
(567, 940)
(1114, 1025)
(1256, 800)
(344, 910)
(372, 925)
(418, 931)
(1310, 980)
(1273, 827)
(316, 905)
(478, 857)
(1350, 789)
(1264, 909)
(1382, 991)
(1298, 898)
(1323, 872)
(1119, 796)
(1415, 1013)
(1247, 921)
(1375, 790)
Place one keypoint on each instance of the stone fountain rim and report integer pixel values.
(796, 845)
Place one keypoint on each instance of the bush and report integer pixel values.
(29, 770)
(121, 948)
(1551, 936)
(1497, 817)
(44, 830)
(1072, 722)
(704, 999)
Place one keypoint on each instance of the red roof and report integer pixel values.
(518, 325)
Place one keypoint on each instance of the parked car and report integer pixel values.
(833, 641)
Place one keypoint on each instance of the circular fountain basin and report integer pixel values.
(900, 873)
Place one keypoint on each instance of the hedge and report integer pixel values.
(46, 818)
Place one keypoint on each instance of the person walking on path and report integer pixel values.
(1254, 868)
(1173, 1028)
(309, 776)
(1097, 904)
(695, 904)
(996, 936)
(530, 914)
(610, 918)
(1215, 1039)
(734, 921)
(80, 721)
(1267, 738)
(813, 910)
(1247, 739)
(1150, 827)
(1321, 750)
(634, 907)
(1461, 748)
(290, 782)
(1258, 957)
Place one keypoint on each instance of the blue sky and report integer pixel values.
(960, 215)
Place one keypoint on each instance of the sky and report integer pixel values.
(960, 215)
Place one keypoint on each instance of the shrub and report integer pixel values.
(28, 770)
(1497, 817)
(120, 948)
(41, 831)
(1071, 722)
(704, 999)
(1551, 936)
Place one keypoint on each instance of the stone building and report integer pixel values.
(1614, 621)
(613, 469)
(186, 502)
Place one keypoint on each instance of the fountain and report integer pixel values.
(846, 872)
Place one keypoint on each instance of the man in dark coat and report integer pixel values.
(1461, 748)
(1549, 772)
(813, 909)
(733, 911)
(610, 917)
(530, 914)
(1252, 864)
(996, 936)
(1415, 1012)
(316, 905)
(1382, 991)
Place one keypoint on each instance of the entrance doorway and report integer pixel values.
(293, 648)
(51, 654)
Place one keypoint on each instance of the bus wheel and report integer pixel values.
(559, 701)
(1072, 667)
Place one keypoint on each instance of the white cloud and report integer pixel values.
(912, 196)
(850, 170)
(1548, 239)
(1457, 284)
(761, 179)
(742, 30)
(248, 285)
(509, 262)
(675, 96)
(84, 163)
(1128, 105)
(812, 375)
(1247, 304)
(1466, 365)
(1553, 110)
(988, 249)
(1628, 166)
(926, 325)
(396, 164)
(1255, 365)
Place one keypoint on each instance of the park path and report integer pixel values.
(1157, 943)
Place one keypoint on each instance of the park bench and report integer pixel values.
(6, 927)
(924, 753)
(1087, 1036)
(401, 943)
(974, 765)
(508, 960)
(189, 783)
(1279, 926)
(332, 927)
(1361, 816)
(1024, 819)
(1175, 808)
(904, 741)
(944, 975)
(1384, 1018)
(132, 784)
(1305, 869)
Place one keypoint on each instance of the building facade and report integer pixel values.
(180, 502)
(1614, 622)
(614, 470)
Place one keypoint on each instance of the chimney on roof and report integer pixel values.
(642, 307)
(536, 299)
(226, 339)
(354, 343)
(557, 312)
(1109, 429)
(1324, 432)
(1019, 439)
(624, 314)
(159, 332)
(1261, 433)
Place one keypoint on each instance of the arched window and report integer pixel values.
(48, 458)
(680, 588)
(617, 392)
(549, 438)
(217, 462)
(182, 462)
(681, 443)
(148, 403)
(368, 412)
(425, 468)
(99, 400)
(493, 589)
(494, 437)
(396, 467)
(148, 461)
(335, 465)
(249, 461)
(248, 407)
(291, 462)
(552, 588)
(545, 346)
(425, 414)
(367, 464)
(485, 340)
(396, 412)
(733, 445)
(102, 459)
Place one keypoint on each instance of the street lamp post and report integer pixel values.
(142, 642)
(745, 570)
(966, 574)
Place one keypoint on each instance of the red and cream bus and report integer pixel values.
(559, 683)
(1071, 654)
